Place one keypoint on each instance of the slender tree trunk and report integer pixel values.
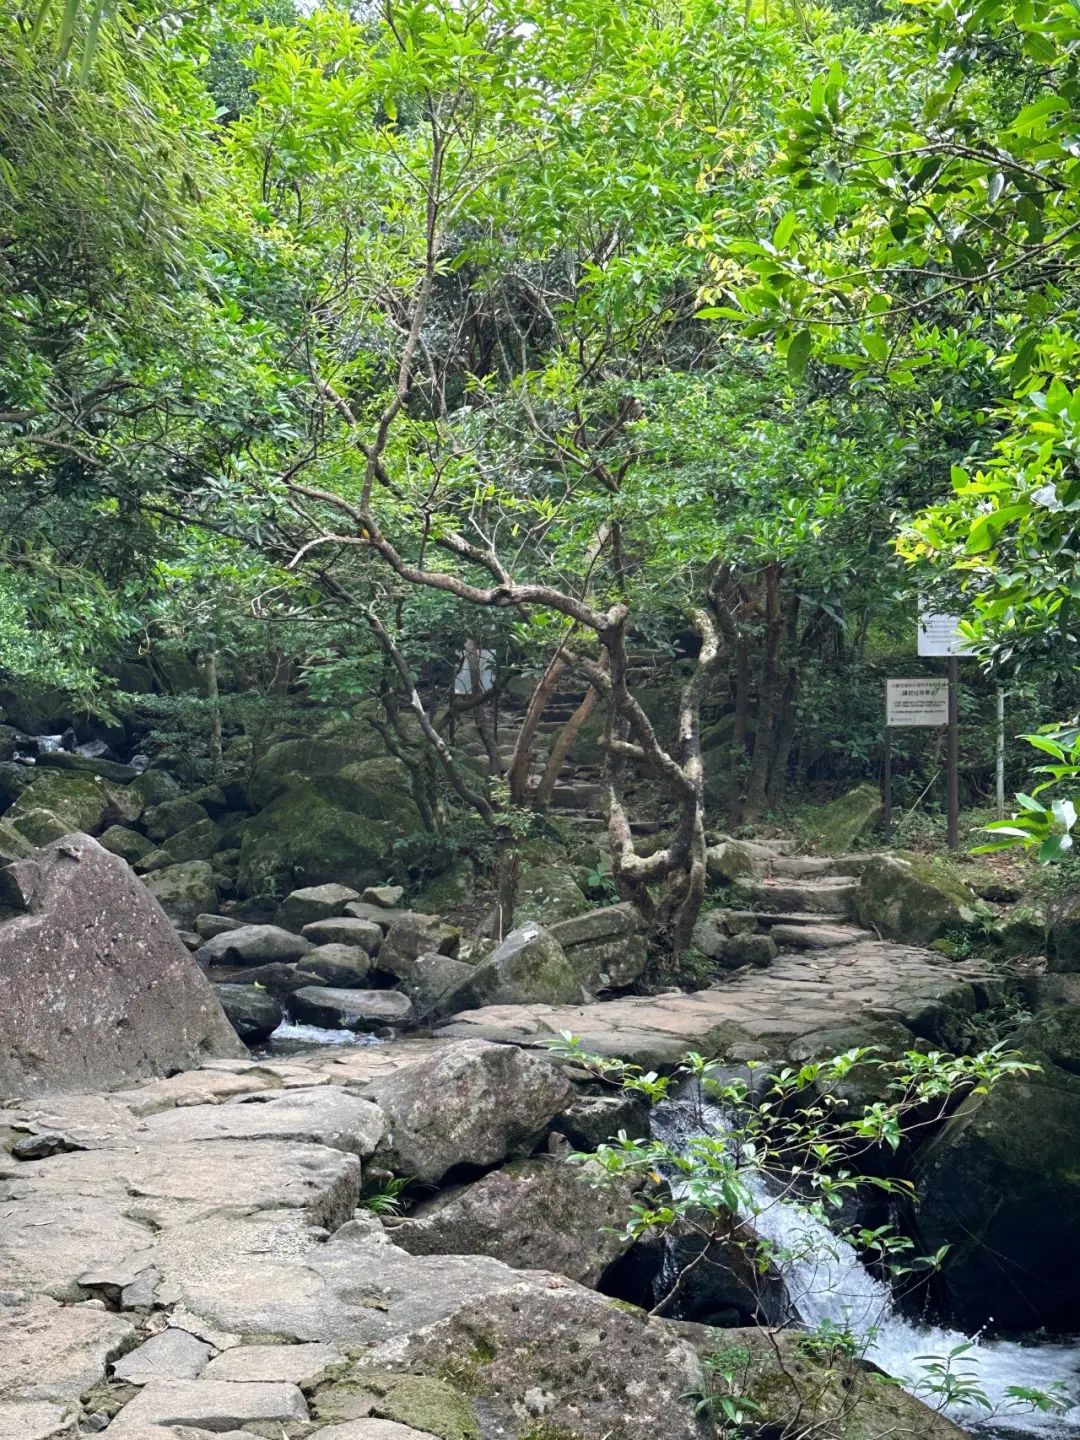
(518, 774)
(562, 747)
(210, 671)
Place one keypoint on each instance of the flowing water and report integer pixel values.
(290, 1039)
(828, 1283)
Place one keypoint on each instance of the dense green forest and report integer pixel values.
(670, 350)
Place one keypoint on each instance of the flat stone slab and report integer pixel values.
(214, 1404)
(755, 1014)
(817, 937)
(55, 1352)
(171, 1355)
(285, 1364)
(338, 1120)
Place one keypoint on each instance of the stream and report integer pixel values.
(827, 1282)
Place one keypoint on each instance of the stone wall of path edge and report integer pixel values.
(98, 989)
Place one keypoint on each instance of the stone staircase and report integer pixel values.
(804, 902)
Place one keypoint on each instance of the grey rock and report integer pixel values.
(184, 891)
(54, 1352)
(253, 944)
(430, 978)
(213, 1404)
(411, 935)
(92, 956)
(565, 1358)
(278, 977)
(325, 1115)
(170, 1355)
(472, 1104)
(344, 930)
(112, 770)
(162, 821)
(350, 1009)
(532, 1214)
(364, 910)
(384, 896)
(126, 843)
(210, 925)
(254, 1014)
(195, 842)
(593, 1120)
(285, 1364)
(530, 966)
(314, 902)
(346, 966)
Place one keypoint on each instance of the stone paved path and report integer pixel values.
(757, 1013)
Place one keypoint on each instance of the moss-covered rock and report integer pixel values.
(81, 802)
(839, 826)
(163, 821)
(184, 891)
(126, 843)
(294, 761)
(548, 892)
(194, 842)
(13, 844)
(1000, 1186)
(40, 827)
(912, 900)
(449, 891)
(341, 828)
(425, 1402)
(729, 861)
(802, 1386)
(528, 967)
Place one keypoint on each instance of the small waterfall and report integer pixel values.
(290, 1039)
(827, 1283)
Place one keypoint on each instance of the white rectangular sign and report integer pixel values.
(916, 702)
(940, 634)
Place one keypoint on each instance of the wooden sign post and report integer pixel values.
(940, 635)
(909, 703)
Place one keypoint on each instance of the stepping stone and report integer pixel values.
(214, 1404)
(350, 1009)
(823, 895)
(172, 1355)
(817, 937)
(287, 1364)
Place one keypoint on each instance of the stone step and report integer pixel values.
(824, 894)
(576, 796)
(817, 937)
(768, 918)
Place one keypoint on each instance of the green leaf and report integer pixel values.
(798, 354)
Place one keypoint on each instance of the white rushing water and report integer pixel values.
(289, 1038)
(828, 1284)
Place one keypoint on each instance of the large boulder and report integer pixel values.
(529, 967)
(999, 1186)
(81, 802)
(552, 1361)
(349, 1009)
(473, 1104)
(254, 1013)
(429, 980)
(184, 891)
(912, 900)
(293, 762)
(314, 902)
(253, 945)
(729, 861)
(345, 930)
(127, 843)
(723, 937)
(345, 966)
(169, 818)
(606, 948)
(801, 1386)
(341, 828)
(411, 935)
(198, 841)
(98, 988)
(837, 827)
(547, 892)
(533, 1214)
(14, 845)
